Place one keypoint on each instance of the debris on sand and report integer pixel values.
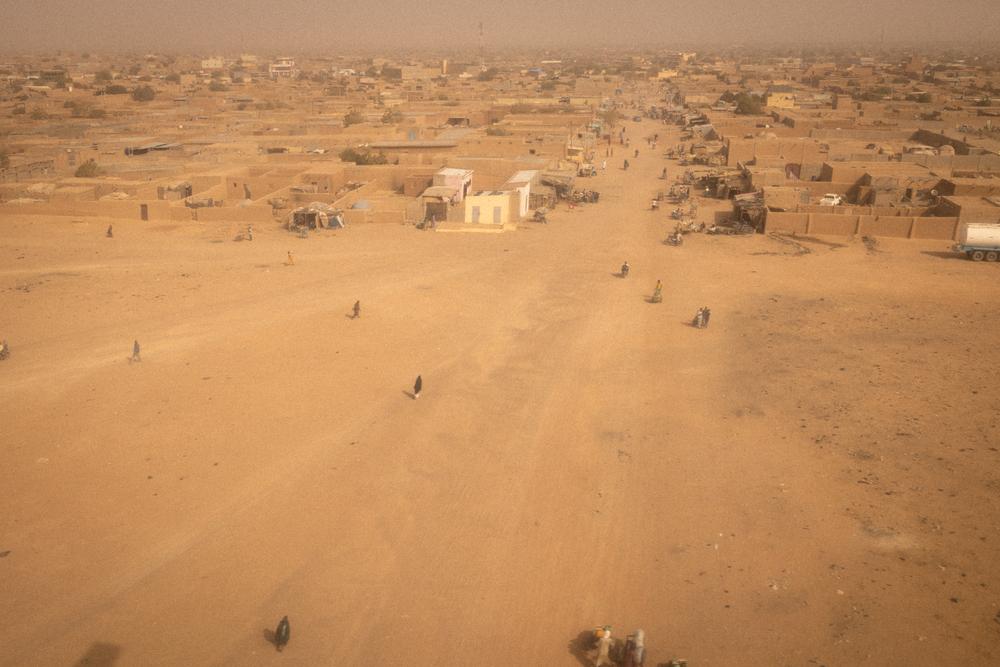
(798, 248)
(871, 244)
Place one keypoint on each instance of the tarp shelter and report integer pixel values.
(316, 214)
(562, 181)
(437, 199)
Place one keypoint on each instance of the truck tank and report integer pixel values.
(980, 235)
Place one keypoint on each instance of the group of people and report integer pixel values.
(633, 654)
(701, 318)
(355, 314)
(418, 385)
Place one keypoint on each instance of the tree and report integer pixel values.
(353, 118)
(88, 169)
(173, 77)
(363, 156)
(749, 105)
(489, 74)
(217, 87)
(38, 114)
(4, 158)
(115, 89)
(143, 94)
(103, 76)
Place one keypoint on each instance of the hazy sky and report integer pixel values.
(303, 25)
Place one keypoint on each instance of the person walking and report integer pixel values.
(706, 316)
(604, 648)
(604, 165)
(4, 350)
(250, 232)
(110, 233)
(283, 633)
(135, 352)
(417, 386)
(357, 310)
(291, 259)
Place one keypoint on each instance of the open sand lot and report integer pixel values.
(812, 480)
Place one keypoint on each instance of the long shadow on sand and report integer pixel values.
(580, 646)
(943, 255)
(100, 654)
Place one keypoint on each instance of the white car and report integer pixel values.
(831, 200)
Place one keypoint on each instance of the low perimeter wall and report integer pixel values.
(832, 224)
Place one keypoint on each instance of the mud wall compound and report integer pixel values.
(833, 224)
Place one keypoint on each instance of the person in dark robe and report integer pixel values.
(282, 634)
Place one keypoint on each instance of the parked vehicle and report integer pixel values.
(979, 241)
(831, 200)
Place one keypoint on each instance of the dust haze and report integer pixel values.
(561, 333)
(297, 26)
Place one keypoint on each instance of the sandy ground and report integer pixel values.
(812, 480)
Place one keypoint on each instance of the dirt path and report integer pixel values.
(801, 483)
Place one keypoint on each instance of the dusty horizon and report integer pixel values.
(298, 27)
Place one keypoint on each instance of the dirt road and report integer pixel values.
(810, 480)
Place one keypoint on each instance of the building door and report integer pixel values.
(144, 211)
(496, 215)
(475, 214)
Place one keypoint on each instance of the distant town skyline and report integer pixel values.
(301, 26)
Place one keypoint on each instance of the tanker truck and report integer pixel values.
(979, 241)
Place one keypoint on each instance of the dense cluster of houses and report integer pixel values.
(251, 139)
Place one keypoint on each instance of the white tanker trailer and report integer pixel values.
(980, 241)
